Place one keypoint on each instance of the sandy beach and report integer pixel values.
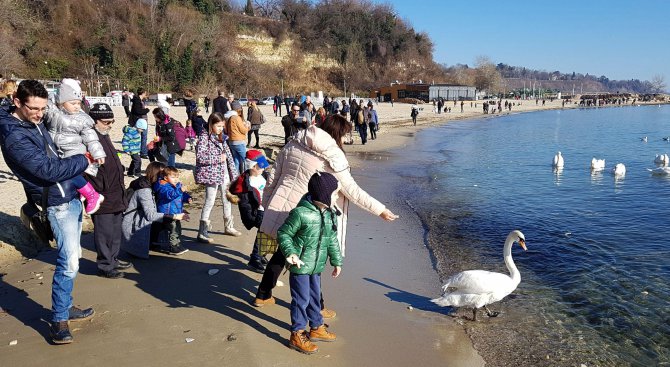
(170, 311)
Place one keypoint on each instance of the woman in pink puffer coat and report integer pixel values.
(310, 150)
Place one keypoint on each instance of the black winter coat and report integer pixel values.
(109, 180)
(250, 200)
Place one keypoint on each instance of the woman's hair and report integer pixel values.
(214, 118)
(337, 126)
(159, 113)
(154, 170)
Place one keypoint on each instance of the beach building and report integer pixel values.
(452, 92)
(399, 91)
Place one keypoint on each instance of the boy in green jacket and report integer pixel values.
(307, 239)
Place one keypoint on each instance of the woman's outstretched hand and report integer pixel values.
(388, 216)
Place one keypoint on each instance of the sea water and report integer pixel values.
(595, 279)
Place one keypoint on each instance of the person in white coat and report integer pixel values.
(310, 150)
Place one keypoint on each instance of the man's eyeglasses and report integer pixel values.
(107, 122)
(295, 110)
(35, 109)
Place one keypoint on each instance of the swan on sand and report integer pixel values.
(597, 164)
(478, 288)
(558, 160)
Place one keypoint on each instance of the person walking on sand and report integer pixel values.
(372, 120)
(220, 103)
(215, 169)
(311, 150)
(256, 119)
(31, 155)
(414, 114)
(237, 129)
(109, 182)
(308, 238)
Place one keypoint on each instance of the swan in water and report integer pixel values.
(619, 170)
(662, 159)
(478, 288)
(597, 164)
(644, 139)
(558, 160)
(660, 171)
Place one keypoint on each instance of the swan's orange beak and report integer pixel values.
(522, 243)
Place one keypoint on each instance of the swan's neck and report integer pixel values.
(507, 254)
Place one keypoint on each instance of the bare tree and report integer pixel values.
(268, 8)
(487, 76)
(658, 83)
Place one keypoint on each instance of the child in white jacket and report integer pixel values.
(72, 131)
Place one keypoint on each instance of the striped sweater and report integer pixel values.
(132, 140)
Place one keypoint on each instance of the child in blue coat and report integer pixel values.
(170, 199)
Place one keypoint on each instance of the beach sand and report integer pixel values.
(148, 318)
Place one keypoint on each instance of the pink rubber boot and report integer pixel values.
(92, 198)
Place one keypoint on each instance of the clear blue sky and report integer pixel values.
(619, 39)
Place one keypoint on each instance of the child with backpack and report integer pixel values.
(307, 239)
(131, 143)
(170, 138)
(249, 188)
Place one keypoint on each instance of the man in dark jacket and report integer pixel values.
(138, 111)
(31, 155)
(109, 182)
(220, 104)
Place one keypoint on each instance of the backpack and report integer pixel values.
(180, 134)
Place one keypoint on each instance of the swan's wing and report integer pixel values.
(477, 281)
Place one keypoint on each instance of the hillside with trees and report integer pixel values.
(257, 48)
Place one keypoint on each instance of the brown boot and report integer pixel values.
(322, 334)
(300, 342)
(328, 313)
(262, 302)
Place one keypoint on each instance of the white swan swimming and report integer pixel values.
(660, 171)
(558, 160)
(597, 164)
(662, 159)
(478, 288)
(619, 169)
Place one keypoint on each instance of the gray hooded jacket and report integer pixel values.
(73, 133)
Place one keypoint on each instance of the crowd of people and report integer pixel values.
(63, 156)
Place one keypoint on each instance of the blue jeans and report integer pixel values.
(172, 159)
(65, 222)
(143, 147)
(305, 301)
(239, 150)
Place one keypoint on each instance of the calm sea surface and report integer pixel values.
(595, 279)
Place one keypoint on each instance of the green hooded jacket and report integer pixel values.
(310, 233)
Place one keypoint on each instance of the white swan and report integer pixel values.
(597, 164)
(478, 288)
(558, 160)
(619, 169)
(660, 171)
(662, 159)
